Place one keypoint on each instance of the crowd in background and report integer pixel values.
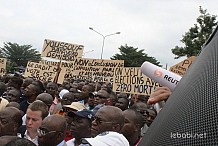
(73, 113)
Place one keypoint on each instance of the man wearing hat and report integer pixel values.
(73, 107)
(80, 126)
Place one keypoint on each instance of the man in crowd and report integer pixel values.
(52, 89)
(142, 108)
(132, 127)
(122, 103)
(106, 127)
(100, 99)
(73, 107)
(3, 102)
(80, 126)
(151, 115)
(10, 121)
(30, 92)
(36, 112)
(13, 95)
(52, 131)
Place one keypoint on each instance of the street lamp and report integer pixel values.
(104, 36)
(87, 52)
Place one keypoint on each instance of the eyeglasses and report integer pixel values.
(43, 132)
(66, 110)
(99, 121)
(100, 96)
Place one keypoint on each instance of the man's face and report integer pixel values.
(85, 91)
(102, 122)
(67, 99)
(51, 89)
(129, 125)
(142, 109)
(29, 90)
(6, 123)
(80, 127)
(150, 116)
(122, 104)
(91, 101)
(33, 120)
(13, 96)
(101, 97)
(66, 110)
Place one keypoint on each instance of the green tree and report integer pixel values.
(18, 55)
(197, 35)
(133, 57)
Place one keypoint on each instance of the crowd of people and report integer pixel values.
(74, 113)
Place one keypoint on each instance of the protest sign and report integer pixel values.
(90, 69)
(3, 66)
(52, 63)
(183, 66)
(40, 72)
(131, 80)
(61, 50)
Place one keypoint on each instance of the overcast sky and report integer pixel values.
(153, 25)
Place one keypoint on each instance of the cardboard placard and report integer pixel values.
(131, 80)
(89, 69)
(3, 66)
(181, 67)
(61, 50)
(40, 72)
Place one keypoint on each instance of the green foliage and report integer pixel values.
(197, 35)
(133, 57)
(18, 55)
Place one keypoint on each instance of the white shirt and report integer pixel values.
(34, 140)
(62, 143)
(70, 142)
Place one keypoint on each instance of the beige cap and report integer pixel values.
(76, 106)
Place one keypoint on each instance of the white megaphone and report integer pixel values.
(160, 75)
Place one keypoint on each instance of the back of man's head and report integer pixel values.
(55, 124)
(46, 98)
(107, 118)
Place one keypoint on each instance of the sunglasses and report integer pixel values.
(100, 121)
(100, 96)
(44, 132)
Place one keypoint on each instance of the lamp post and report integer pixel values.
(87, 52)
(104, 36)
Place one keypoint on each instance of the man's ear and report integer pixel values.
(60, 135)
(15, 126)
(117, 127)
(138, 127)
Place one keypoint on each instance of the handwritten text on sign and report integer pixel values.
(2, 66)
(90, 69)
(40, 71)
(183, 66)
(131, 80)
(61, 50)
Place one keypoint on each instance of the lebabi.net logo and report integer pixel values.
(158, 73)
(185, 135)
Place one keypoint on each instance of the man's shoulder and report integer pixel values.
(70, 142)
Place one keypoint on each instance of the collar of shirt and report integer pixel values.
(34, 140)
(55, 101)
